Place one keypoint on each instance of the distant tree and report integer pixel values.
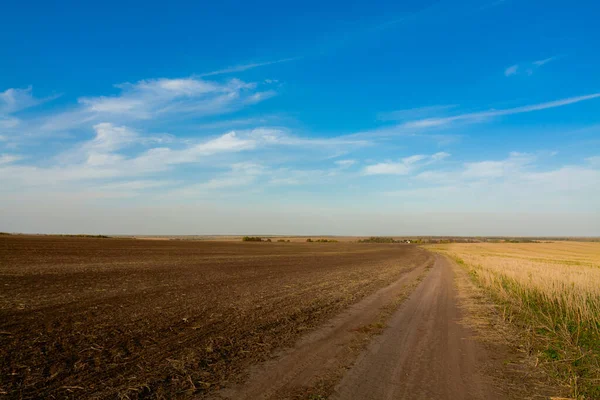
(252, 239)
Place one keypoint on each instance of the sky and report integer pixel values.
(268, 117)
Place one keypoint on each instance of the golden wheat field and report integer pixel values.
(553, 289)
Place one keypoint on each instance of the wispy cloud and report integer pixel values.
(539, 63)
(103, 158)
(120, 152)
(411, 113)
(517, 180)
(345, 163)
(229, 123)
(405, 165)
(245, 67)
(496, 169)
(486, 115)
(154, 98)
(528, 68)
(8, 158)
(512, 70)
(240, 175)
(159, 100)
(13, 100)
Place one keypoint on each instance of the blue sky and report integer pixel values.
(360, 118)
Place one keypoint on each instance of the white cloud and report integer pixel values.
(260, 96)
(387, 168)
(237, 122)
(161, 100)
(226, 142)
(575, 178)
(485, 169)
(131, 186)
(161, 158)
(108, 139)
(405, 166)
(528, 68)
(514, 183)
(291, 176)
(7, 122)
(514, 164)
(154, 98)
(495, 169)
(120, 152)
(240, 175)
(245, 67)
(282, 137)
(345, 163)
(440, 156)
(485, 115)
(413, 159)
(412, 113)
(9, 158)
(539, 63)
(96, 159)
(13, 100)
(111, 138)
(512, 70)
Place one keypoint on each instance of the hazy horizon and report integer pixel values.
(220, 221)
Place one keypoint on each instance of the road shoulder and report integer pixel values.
(507, 359)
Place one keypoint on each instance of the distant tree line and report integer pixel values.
(309, 240)
(379, 239)
(255, 239)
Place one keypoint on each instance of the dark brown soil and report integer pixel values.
(109, 318)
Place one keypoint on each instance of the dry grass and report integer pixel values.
(553, 291)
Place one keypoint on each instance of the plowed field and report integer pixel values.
(110, 318)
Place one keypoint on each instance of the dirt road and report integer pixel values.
(426, 353)
(322, 353)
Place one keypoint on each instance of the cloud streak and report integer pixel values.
(486, 115)
(245, 67)
(13, 100)
(412, 113)
(539, 63)
(528, 68)
(405, 166)
(512, 70)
